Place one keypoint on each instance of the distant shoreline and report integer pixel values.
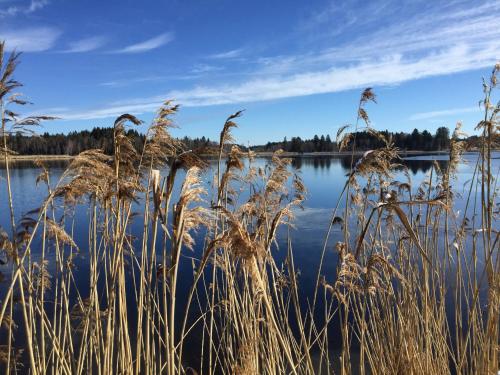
(349, 153)
(35, 157)
(257, 154)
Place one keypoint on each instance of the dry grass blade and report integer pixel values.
(409, 229)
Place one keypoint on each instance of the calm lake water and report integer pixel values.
(324, 178)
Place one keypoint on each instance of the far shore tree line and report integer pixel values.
(416, 140)
(102, 138)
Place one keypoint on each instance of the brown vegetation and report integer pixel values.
(404, 250)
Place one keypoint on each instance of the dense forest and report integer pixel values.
(75, 142)
(102, 138)
(416, 140)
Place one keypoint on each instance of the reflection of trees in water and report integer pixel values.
(324, 163)
(416, 166)
(315, 162)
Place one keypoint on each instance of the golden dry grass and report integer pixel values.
(403, 252)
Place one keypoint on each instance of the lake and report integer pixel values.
(323, 176)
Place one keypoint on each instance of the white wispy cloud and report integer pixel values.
(34, 39)
(131, 81)
(231, 54)
(32, 7)
(389, 71)
(86, 44)
(149, 44)
(153, 78)
(205, 68)
(342, 12)
(102, 113)
(442, 113)
(433, 42)
(422, 30)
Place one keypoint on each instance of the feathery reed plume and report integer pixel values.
(125, 155)
(160, 145)
(225, 138)
(90, 173)
(186, 218)
(233, 164)
(56, 232)
(225, 135)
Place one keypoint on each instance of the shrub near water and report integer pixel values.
(404, 251)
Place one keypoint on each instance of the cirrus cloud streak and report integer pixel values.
(148, 45)
(389, 71)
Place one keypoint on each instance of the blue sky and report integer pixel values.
(297, 67)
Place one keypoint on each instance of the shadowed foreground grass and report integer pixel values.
(416, 291)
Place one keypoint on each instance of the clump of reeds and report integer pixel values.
(404, 254)
(413, 253)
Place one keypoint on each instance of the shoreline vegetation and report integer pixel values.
(101, 138)
(415, 287)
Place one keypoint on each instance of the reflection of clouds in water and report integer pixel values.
(309, 227)
(427, 157)
(307, 239)
(311, 218)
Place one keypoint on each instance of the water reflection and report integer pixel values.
(414, 165)
(324, 177)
